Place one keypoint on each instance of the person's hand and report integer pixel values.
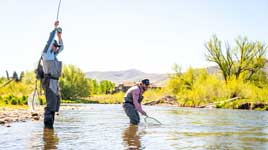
(56, 24)
(143, 113)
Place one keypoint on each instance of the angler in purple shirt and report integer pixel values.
(133, 99)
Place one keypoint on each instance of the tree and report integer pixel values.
(106, 87)
(244, 60)
(21, 75)
(7, 75)
(15, 76)
(249, 57)
(215, 54)
(177, 69)
(93, 86)
(74, 83)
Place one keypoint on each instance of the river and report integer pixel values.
(96, 126)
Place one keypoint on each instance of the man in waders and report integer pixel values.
(52, 71)
(132, 101)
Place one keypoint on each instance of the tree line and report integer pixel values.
(73, 84)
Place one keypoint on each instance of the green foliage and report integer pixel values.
(13, 100)
(106, 87)
(260, 79)
(249, 57)
(93, 87)
(117, 98)
(174, 85)
(244, 60)
(28, 78)
(216, 54)
(21, 76)
(153, 94)
(22, 88)
(84, 101)
(2, 80)
(73, 83)
(196, 87)
(108, 98)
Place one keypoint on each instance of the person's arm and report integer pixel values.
(60, 43)
(136, 94)
(50, 41)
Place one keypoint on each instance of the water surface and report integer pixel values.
(94, 126)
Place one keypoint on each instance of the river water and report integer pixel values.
(95, 126)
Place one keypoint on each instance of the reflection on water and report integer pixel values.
(131, 138)
(51, 139)
(105, 127)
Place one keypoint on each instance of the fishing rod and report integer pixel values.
(58, 11)
(59, 29)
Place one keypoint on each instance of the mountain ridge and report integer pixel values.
(134, 75)
(130, 75)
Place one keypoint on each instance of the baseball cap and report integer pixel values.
(146, 82)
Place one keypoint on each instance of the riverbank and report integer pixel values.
(21, 113)
(232, 103)
(9, 114)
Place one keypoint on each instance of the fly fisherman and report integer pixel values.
(52, 71)
(132, 101)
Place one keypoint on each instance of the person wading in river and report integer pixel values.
(132, 101)
(52, 71)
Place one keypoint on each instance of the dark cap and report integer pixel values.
(146, 81)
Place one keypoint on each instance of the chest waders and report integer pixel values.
(52, 72)
(130, 109)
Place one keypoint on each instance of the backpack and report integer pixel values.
(39, 71)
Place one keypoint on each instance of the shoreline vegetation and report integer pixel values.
(152, 97)
(238, 81)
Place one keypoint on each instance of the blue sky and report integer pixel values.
(110, 35)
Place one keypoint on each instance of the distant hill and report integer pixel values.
(131, 75)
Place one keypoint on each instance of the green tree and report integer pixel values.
(215, 54)
(93, 86)
(244, 60)
(73, 83)
(21, 75)
(106, 87)
(249, 57)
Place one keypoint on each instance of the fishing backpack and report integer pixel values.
(39, 70)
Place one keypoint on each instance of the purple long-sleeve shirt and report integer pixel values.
(136, 92)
